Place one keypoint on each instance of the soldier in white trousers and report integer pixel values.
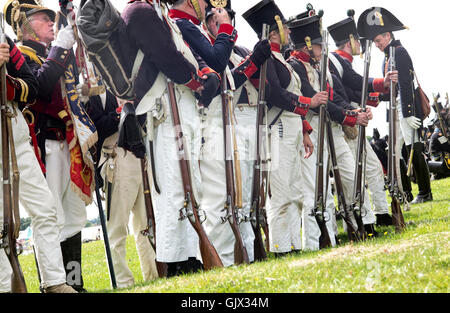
(288, 133)
(303, 58)
(121, 174)
(346, 38)
(35, 195)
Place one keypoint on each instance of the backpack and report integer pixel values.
(102, 29)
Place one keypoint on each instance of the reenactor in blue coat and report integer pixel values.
(287, 108)
(304, 59)
(378, 24)
(346, 38)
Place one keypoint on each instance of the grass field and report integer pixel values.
(415, 261)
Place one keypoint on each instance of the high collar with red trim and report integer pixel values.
(177, 14)
(345, 55)
(302, 56)
(275, 47)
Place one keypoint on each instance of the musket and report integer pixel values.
(411, 153)
(344, 210)
(101, 215)
(256, 218)
(230, 207)
(190, 209)
(361, 153)
(442, 124)
(11, 217)
(150, 232)
(394, 188)
(320, 197)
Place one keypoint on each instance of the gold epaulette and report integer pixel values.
(32, 54)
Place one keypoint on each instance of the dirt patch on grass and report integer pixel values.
(365, 251)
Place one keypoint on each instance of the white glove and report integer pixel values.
(66, 38)
(414, 122)
(83, 98)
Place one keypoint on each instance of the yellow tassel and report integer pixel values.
(281, 29)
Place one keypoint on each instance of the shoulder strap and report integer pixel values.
(137, 64)
(337, 64)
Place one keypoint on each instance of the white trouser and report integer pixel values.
(212, 166)
(310, 229)
(347, 163)
(374, 177)
(176, 240)
(71, 210)
(38, 201)
(127, 196)
(284, 207)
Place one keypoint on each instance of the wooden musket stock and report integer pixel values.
(209, 254)
(11, 219)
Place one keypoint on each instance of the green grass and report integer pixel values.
(416, 260)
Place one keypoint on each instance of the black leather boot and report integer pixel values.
(370, 230)
(192, 265)
(71, 252)
(422, 174)
(383, 220)
(406, 181)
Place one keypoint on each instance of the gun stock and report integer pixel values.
(209, 254)
(319, 210)
(394, 189)
(11, 218)
(150, 232)
(255, 211)
(240, 252)
(359, 187)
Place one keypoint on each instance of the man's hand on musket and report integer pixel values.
(4, 53)
(362, 119)
(390, 76)
(319, 99)
(308, 145)
(369, 113)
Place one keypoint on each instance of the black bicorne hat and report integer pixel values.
(265, 12)
(305, 29)
(225, 4)
(375, 21)
(344, 30)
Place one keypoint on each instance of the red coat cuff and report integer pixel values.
(350, 118)
(229, 30)
(373, 99)
(307, 128)
(195, 82)
(378, 85)
(247, 67)
(302, 106)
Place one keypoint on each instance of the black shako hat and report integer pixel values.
(345, 30)
(309, 12)
(306, 31)
(264, 12)
(225, 4)
(376, 20)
